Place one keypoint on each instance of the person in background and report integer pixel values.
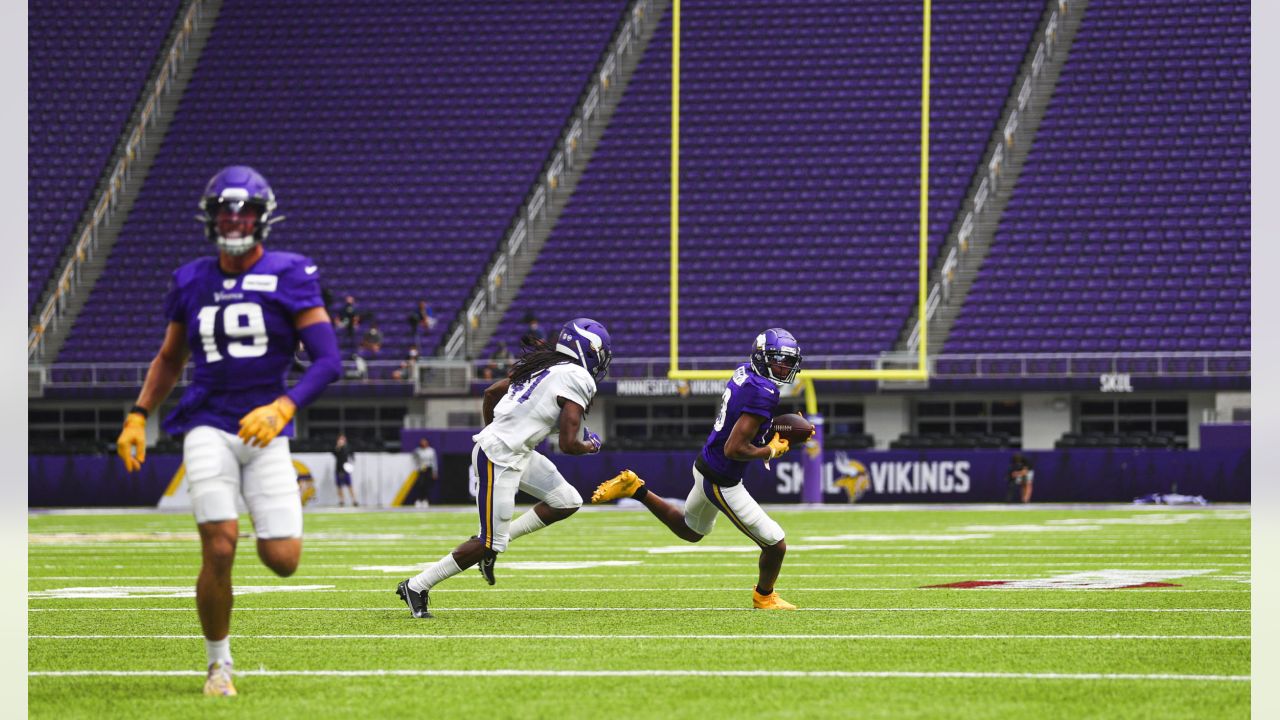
(372, 339)
(1021, 475)
(359, 369)
(428, 469)
(421, 320)
(348, 318)
(501, 358)
(343, 467)
(408, 367)
(533, 334)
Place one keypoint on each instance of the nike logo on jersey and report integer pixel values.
(311, 269)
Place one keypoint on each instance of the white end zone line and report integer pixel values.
(662, 609)
(652, 673)
(516, 636)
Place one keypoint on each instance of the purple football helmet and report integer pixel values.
(236, 209)
(586, 341)
(776, 356)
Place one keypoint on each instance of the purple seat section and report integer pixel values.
(87, 64)
(400, 143)
(800, 131)
(1129, 227)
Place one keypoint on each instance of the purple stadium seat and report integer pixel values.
(399, 149)
(1144, 156)
(800, 122)
(87, 64)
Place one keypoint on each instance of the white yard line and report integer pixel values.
(575, 543)
(670, 589)
(348, 609)
(513, 636)
(382, 577)
(712, 563)
(379, 551)
(654, 673)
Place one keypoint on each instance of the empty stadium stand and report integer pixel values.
(399, 147)
(799, 163)
(87, 64)
(1129, 228)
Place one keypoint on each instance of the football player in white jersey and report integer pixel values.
(545, 390)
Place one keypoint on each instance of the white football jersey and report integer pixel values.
(529, 412)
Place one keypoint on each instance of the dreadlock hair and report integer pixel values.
(535, 356)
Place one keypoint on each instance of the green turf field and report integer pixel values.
(660, 631)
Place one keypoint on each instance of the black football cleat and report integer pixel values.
(417, 601)
(486, 566)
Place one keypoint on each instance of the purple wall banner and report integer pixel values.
(96, 480)
(444, 441)
(869, 476)
(1225, 435)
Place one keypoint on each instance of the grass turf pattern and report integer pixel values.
(665, 631)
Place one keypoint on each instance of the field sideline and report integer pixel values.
(1112, 611)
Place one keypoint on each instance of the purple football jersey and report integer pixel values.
(746, 392)
(240, 331)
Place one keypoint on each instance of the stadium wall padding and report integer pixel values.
(1077, 475)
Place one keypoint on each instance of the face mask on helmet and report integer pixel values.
(783, 367)
(237, 205)
(236, 225)
(603, 358)
(776, 356)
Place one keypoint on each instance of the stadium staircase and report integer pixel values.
(503, 276)
(52, 332)
(957, 263)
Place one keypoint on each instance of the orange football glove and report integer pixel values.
(264, 423)
(133, 439)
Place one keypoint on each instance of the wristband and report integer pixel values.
(140, 410)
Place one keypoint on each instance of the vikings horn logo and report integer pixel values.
(852, 476)
(308, 491)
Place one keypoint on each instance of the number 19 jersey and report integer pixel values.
(529, 411)
(241, 335)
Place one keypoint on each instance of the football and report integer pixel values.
(794, 428)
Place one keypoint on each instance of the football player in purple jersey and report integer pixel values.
(241, 314)
(738, 437)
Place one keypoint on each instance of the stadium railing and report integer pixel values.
(648, 376)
